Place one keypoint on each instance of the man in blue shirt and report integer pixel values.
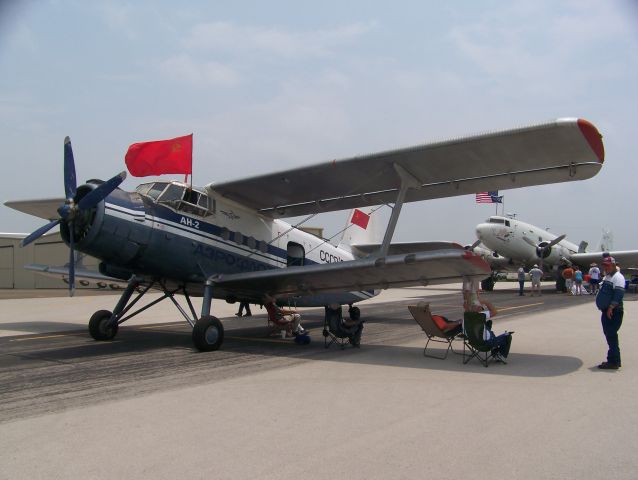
(609, 302)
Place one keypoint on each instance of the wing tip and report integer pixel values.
(593, 137)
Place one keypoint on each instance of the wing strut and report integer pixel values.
(407, 181)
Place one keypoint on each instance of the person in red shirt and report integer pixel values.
(288, 318)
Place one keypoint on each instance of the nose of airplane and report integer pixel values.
(481, 230)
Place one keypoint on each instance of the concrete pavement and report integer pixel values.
(383, 411)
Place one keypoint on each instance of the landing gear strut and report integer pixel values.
(208, 331)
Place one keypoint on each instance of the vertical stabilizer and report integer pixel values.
(362, 227)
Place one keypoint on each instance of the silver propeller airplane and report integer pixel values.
(227, 240)
(525, 244)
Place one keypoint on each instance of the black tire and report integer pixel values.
(355, 313)
(208, 334)
(97, 326)
(488, 284)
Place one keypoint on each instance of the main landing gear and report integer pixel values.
(208, 331)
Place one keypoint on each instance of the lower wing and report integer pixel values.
(419, 268)
(82, 275)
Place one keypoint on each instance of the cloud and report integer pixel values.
(222, 36)
(531, 43)
(184, 68)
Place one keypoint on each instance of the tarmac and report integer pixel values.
(382, 411)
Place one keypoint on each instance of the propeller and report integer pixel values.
(544, 249)
(73, 206)
(473, 246)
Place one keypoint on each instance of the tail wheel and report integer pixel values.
(208, 334)
(99, 326)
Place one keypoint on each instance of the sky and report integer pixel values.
(266, 86)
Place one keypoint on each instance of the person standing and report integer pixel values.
(594, 278)
(578, 281)
(242, 306)
(609, 302)
(521, 280)
(535, 275)
(568, 275)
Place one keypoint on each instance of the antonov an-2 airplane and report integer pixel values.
(226, 240)
(526, 244)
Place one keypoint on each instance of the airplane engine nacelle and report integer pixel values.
(543, 250)
(114, 231)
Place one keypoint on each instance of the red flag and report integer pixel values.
(159, 157)
(359, 218)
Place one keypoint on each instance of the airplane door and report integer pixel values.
(296, 255)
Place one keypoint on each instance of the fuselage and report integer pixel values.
(507, 237)
(168, 231)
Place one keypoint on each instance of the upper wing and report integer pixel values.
(624, 258)
(560, 151)
(45, 208)
(424, 268)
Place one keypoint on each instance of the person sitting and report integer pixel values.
(289, 319)
(449, 327)
(500, 343)
(472, 301)
(353, 327)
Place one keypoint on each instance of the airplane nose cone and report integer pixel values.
(480, 231)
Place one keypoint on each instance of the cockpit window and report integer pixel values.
(179, 197)
(172, 193)
(496, 220)
(152, 190)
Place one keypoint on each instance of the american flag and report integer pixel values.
(489, 197)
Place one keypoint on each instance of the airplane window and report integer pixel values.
(155, 190)
(507, 223)
(191, 196)
(263, 247)
(144, 188)
(203, 201)
(172, 193)
(251, 242)
(497, 220)
(238, 238)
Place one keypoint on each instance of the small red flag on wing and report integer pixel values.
(160, 157)
(360, 219)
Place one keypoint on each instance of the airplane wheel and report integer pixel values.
(488, 284)
(98, 326)
(355, 313)
(208, 334)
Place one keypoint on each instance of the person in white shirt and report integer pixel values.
(536, 274)
(594, 278)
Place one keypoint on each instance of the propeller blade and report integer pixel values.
(39, 232)
(70, 183)
(474, 245)
(94, 197)
(530, 242)
(556, 240)
(71, 259)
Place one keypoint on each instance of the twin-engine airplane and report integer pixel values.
(227, 241)
(525, 244)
